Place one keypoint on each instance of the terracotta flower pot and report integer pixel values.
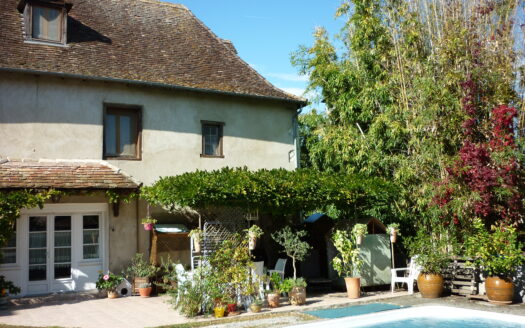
(353, 287)
(112, 294)
(232, 307)
(500, 291)
(430, 285)
(145, 292)
(148, 226)
(136, 283)
(359, 239)
(252, 241)
(297, 296)
(273, 299)
(393, 236)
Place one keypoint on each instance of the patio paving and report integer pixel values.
(86, 311)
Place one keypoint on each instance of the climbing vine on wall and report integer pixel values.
(12, 201)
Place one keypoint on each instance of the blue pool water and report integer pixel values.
(446, 323)
(353, 310)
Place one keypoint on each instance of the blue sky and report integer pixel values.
(266, 32)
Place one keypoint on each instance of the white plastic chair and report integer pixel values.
(409, 276)
(279, 268)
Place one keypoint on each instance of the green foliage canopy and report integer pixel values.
(273, 191)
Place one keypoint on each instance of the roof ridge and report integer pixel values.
(169, 4)
(222, 42)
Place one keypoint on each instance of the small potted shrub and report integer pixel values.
(359, 231)
(393, 230)
(140, 271)
(274, 295)
(256, 305)
(499, 254)
(433, 256)
(148, 223)
(296, 289)
(145, 289)
(219, 310)
(6, 288)
(231, 305)
(348, 262)
(109, 282)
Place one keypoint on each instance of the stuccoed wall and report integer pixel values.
(59, 118)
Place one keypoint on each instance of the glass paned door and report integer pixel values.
(62, 245)
(37, 248)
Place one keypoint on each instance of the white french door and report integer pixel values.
(49, 252)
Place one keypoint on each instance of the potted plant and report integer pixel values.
(145, 289)
(195, 235)
(432, 253)
(109, 283)
(148, 223)
(348, 262)
(140, 271)
(393, 230)
(499, 255)
(296, 249)
(256, 305)
(253, 234)
(296, 289)
(274, 295)
(219, 310)
(359, 231)
(6, 288)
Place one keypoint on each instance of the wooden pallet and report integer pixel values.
(461, 279)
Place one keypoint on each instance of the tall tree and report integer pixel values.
(395, 94)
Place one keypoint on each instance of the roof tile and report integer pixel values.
(140, 40)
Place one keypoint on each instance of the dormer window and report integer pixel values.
(45, 20)
(46, 23)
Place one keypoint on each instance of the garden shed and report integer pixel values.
(375, 250)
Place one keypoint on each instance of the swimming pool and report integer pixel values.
(430, 316)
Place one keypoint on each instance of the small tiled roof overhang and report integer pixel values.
(62, 175)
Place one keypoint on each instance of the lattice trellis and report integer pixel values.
(220, 224)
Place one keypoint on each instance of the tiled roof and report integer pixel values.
(139, 40)
(62, 175)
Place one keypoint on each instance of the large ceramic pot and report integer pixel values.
(273, 300)
(297, 296)
(500, 291)
(430, 285)
(353, 287)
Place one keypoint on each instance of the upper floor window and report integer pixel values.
(212, 139)
(122, 130)
(46, 22)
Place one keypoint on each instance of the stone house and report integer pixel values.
(110, 95)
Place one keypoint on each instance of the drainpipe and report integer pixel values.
(297, 144)
(137, 224)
